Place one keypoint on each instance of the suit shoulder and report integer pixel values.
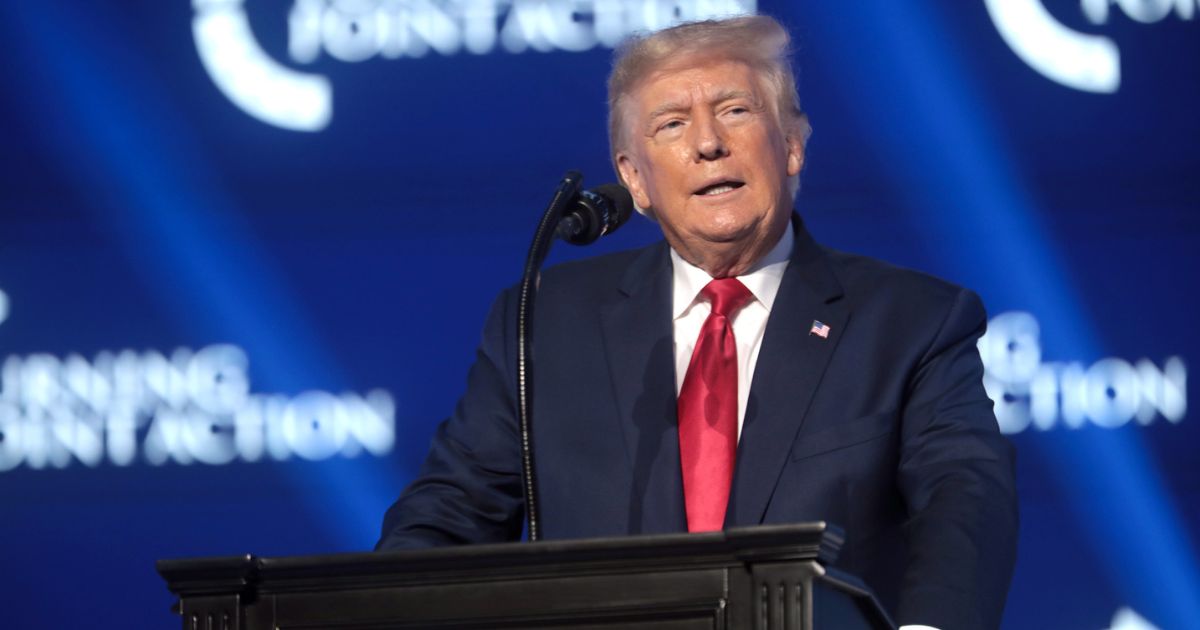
(870, 281)
(596, 273)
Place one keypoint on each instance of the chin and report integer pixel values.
(731, 227)
(728, 234)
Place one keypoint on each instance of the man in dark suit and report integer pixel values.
(737, 373)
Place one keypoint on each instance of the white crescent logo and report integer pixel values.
(242, 70)
(1090, 63)
(3, 307)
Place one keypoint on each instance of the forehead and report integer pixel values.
(683, 84)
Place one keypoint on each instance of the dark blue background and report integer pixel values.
(139, 208)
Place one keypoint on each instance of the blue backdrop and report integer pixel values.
(221, 222)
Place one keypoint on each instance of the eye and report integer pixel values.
(670, 128)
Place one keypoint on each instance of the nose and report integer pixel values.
(708, 139)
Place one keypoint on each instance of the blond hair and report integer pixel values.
(756, 40)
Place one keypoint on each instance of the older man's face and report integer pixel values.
(706, 154)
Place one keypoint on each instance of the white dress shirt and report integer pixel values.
(690, 309)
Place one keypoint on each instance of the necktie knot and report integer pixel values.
(727, 295)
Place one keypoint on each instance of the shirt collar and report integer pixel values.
(762, 279)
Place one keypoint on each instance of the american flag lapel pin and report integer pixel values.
(819, 329)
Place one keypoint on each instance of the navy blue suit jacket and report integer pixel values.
(883, 428)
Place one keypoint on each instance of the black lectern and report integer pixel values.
(767, 577)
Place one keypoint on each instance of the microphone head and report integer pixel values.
(596, 212)
(621, 202)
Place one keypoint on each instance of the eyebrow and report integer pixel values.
(721, 97)
(666, 108)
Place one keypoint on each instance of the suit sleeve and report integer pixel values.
(957, 477)
(469, 488)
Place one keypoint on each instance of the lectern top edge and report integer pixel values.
(817, 541)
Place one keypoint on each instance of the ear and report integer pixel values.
(797, 140)
(631, 175)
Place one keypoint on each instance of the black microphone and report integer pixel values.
(594, 213)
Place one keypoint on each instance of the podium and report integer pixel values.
(766, 577)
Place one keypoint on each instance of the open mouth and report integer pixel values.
(719, 188)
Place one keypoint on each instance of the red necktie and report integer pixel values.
(708, 407)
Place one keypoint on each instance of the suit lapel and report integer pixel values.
(639, 345)
(790, 365)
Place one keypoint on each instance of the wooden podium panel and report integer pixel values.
(761, 578)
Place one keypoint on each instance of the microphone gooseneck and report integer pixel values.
(579, 217)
